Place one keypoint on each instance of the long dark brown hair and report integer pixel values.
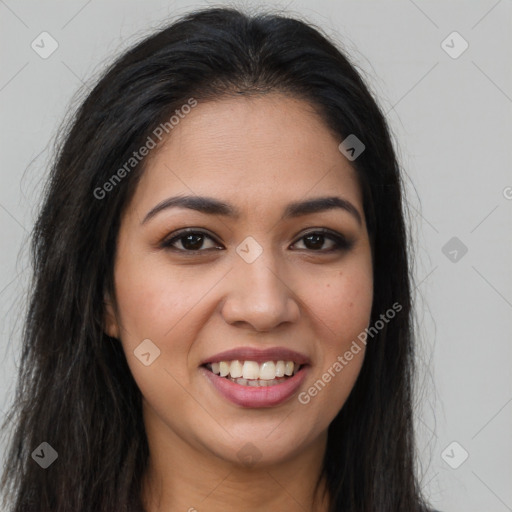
(75, 390)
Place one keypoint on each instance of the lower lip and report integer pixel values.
(251, 396)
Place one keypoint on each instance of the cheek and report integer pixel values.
(158, 304)
(343, 303)
(341, 307)
(155, 300)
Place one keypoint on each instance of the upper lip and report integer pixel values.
(258, 355)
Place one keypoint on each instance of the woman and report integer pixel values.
(221, 309)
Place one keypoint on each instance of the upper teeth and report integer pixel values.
(268, 370)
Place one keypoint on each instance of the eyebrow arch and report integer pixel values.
(211, 206)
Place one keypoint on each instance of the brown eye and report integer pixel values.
(189, 241)
(315, 240)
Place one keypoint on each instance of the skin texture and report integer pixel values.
(258, 154)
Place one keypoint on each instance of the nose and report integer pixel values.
(258, 296)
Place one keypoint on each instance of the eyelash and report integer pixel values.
(340, 242)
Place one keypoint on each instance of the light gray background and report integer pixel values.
(451, 118)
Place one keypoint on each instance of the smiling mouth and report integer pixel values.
(251, 373)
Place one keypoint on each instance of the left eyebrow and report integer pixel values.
(211, 206)
(320, 204)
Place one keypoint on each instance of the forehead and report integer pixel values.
(250, 151)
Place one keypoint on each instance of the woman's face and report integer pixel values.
(255, 277)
